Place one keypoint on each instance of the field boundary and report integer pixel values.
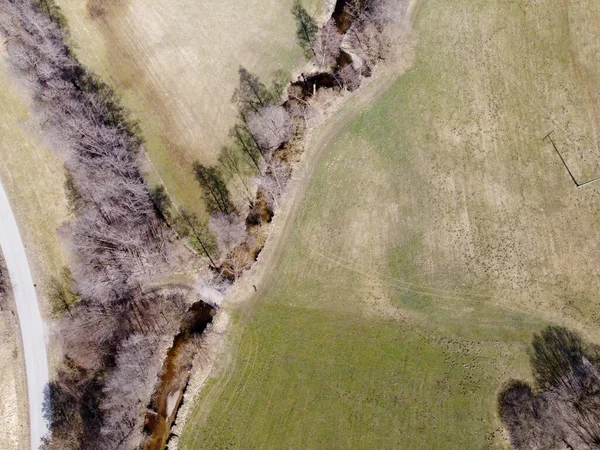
(534, 100)
(577, 184)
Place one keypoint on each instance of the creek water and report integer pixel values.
(174, 377)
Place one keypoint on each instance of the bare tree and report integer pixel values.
(564, 410)
(118, 241)
(271, 127)
(212, 290)
(128, 389)
(367, 38)
(349, 77)
(229, 229)
(327, 45)
(272, 183)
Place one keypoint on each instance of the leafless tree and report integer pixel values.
(368, 38)
(327, 46)
(128, 389)
(272, 183)
(271, 127)
(564, 411)
(118, 241)
(212, 290)
(349, 77)
(229, 229)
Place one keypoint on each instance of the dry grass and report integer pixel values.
(487, 200)
(33, 178)
(13, 386)
(175, 65)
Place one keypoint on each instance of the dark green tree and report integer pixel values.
(306, 28)
(215, 189)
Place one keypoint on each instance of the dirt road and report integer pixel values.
(32, 330)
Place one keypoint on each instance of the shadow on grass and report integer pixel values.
(562, 409)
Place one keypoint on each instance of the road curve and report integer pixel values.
(30, 320)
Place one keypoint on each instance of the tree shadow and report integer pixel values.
(562, 409)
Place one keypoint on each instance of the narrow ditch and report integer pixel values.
(341, 16)
(174, 377)
(307, 85)
(175, 373)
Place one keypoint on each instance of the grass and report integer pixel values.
(33, 178)
(310, 378)
(13, 387)
(175, 66)
(439, 232)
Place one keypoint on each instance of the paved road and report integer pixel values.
(32, 330)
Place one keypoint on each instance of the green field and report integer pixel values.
(438, 233)
(175, 65)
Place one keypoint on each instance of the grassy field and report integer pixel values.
(13, 386)
(33, 178)
(175, 65)
(439, 232)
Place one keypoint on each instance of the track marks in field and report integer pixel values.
(216, 428)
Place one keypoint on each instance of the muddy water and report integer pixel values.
(343, 20)
(306, 87)
(174, 378)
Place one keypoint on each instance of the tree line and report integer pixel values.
(116, 334)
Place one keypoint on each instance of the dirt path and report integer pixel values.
(32, 332)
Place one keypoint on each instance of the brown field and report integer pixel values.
(175, 65)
